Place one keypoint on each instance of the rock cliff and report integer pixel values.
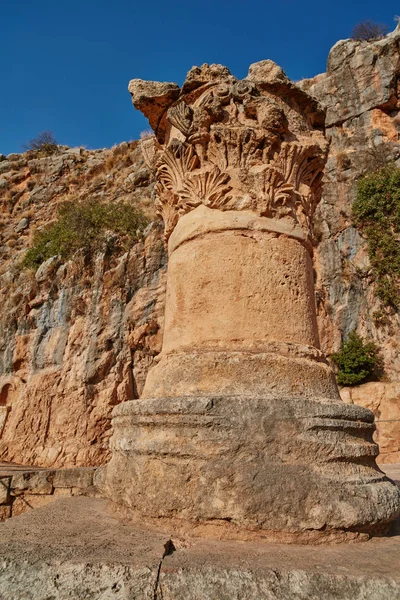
(361, 94)
(78, 337)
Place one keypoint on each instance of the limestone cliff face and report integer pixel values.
(76, 339)
(361, 94)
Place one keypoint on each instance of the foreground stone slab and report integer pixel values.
(76, 548)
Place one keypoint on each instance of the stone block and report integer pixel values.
(4, 489)
(78, 478)
(99, 477)
(5, 512)
(37, 482)
(287, 469)
(76, 546)
(63, 492)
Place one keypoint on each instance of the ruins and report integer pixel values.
(241, 429)
(239, 432)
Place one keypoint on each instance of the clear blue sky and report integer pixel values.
(65, 64)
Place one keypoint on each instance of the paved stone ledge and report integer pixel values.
(77, 548)
(24, 488)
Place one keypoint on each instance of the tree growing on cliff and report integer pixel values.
(356, 361)
(44, 143)
(376, 213)
(368, 31)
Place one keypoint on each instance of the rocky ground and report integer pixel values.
(78, 337)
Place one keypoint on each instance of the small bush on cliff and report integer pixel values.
(368, 31)
(45, 143)
(357, 361)
(87, 226)
(376, 213)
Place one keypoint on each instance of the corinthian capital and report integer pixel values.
(255, 144)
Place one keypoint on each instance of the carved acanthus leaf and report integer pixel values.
(167, 205)
(249, 141)
(233, 148)
(181, 116)
(278, 193)
(207, 187)
(231, 145)
(173, 164)
(150, 148)
(292, 183)
(299, 164)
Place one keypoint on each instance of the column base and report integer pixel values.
(291, 370)
(292, 468)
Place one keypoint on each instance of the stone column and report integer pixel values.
(241, 430)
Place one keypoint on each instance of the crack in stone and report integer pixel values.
(169, 548)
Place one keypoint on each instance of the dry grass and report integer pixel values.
(93, 171)
(343, 161)
(146, 133)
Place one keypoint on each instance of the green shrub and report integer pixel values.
(87, 226)
(376, 212)
(357, 361)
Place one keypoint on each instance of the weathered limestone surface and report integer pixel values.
(234, 462)
(75, 338)
(76, 548)
(241, 431)
(360, 92)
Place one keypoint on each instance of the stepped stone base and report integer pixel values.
(287, 469)
(294, 370)
(76, 548)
